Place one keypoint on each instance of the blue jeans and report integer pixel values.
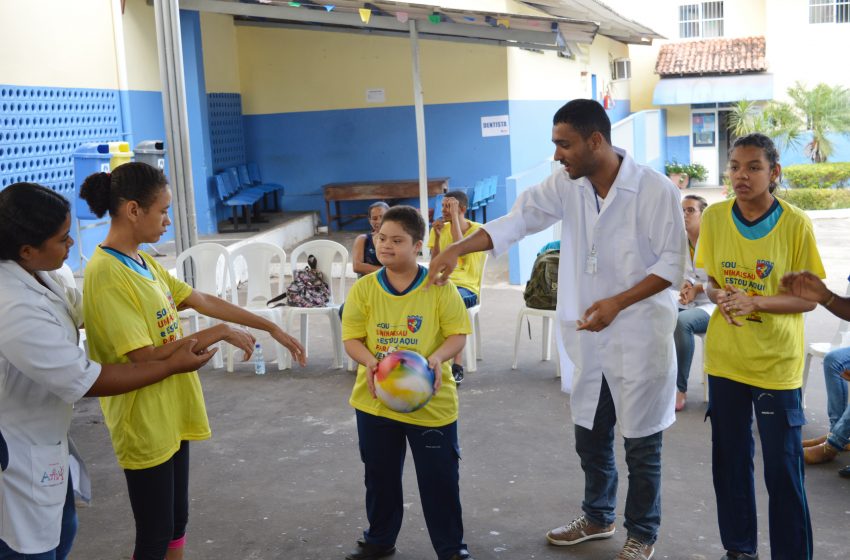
(834, 364)
(469, 297)
(383, 445)
(595, 448)
(690, 322)
(779, 415)
(66, 537)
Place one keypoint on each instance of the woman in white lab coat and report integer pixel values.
(43, 372)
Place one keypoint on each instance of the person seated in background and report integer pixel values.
(364, 259)
(836, 372)
(695, 308)
(453, 226)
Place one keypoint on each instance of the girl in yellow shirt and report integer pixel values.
(130, 309)
(754, 353)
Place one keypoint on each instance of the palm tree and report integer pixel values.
(822, 111)
(826, 110)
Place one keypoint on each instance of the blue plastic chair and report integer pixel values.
(229, 196)
(268, 188)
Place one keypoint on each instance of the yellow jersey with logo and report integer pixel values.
(767, 351)
(125, 311)
(470, 267)
(419, 320)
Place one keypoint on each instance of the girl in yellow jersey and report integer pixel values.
(130, 312)
(754, 353)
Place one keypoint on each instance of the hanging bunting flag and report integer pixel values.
(434, 18)
(402, 16)
(469, 18)
(365, 14)
(329, 7)
(504, 22)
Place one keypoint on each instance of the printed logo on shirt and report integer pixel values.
(747, 280)
(53, 475)
(763, 268)
(396, 337)
(167, 321)
(414, 322)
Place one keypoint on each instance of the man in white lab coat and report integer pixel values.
(622, 245)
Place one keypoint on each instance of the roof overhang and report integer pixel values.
(713, 89)
(539, 32)
(611, 24)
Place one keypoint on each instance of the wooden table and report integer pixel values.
(375, 190)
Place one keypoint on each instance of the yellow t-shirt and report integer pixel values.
(125, 311)
(767, 351)
(419, 320)
(469, 268)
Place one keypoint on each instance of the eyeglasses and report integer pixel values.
(690, 210)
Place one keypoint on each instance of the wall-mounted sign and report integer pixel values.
(495, 126)
(376, 96)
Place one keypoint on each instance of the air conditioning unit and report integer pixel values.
(622, 69)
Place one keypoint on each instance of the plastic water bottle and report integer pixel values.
(259, 362)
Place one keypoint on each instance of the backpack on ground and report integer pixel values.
(308, 287)
(541, 291)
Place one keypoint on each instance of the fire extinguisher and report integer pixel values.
(608, 99)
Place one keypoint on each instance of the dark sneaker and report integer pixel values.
(636, 550)
(457, 373)
(845, 472)
(462, 555)
(366, 551)
(578, 530)
(740, 556)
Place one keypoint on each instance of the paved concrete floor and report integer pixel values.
(282, 478)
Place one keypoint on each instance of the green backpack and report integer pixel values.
(541, 291)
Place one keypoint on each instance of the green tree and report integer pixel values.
(824, 110)
(821, 111)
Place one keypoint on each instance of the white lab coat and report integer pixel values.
(42, 373)
(639, 231)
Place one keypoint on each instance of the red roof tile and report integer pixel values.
(712, 56)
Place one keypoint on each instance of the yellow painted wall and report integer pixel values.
(221, 59)
(542, 76)
(140, 46)
(57, 43)
(678, 120)
(285, 70)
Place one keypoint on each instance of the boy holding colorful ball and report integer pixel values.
(386, 311)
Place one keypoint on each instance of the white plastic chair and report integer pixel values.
(330, 257)
(549, 319)
(213, 275)
(472, 349)
(840, 339)
(258, 257)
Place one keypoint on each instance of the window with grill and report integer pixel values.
(829, 11)
(704, 19)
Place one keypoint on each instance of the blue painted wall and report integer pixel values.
(679, 149)
(306, 150)
(795, 155)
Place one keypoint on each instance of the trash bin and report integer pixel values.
(151, 152)
(120, 154)
(92, 157)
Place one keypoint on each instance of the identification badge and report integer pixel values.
(590, 263)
